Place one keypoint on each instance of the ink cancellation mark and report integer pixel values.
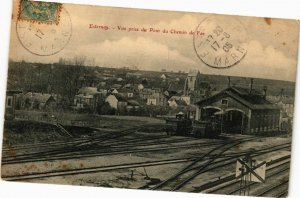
(44, 34)
(224, 42)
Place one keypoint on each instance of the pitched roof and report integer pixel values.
(119, 97)
(116, 86)
(88, 90)
(176, 87)
(181, 102)
(253, 100)
(40, 97)
(133, 103)
(12, 88)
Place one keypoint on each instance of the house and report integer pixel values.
(163, 77)
(140, 87)
(127, 91)
(119, 79)
(286, 104)
(87, 97)
(112, 101)
(203, 90)
(175, 88)
(101, 85)
(157, 99)
(186, 99)
(151, 100)
(117, 101)
(38, 101)
(175, 103)
(240, 110)
(114, 91)
(11, 100)
(147, 93)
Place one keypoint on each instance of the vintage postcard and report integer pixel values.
(147, 99)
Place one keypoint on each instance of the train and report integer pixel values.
(182, 125)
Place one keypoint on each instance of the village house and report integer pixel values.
(37, 101)
(114, 91)
(147, 93)
(116, 101)
(11, 100)
(157, 99)
(163, 77)
(87, 97)
(186, 99)
(176, 103)
(175, 88)
(140, 87)
(286, 104)
(240, 110)
(127, 91)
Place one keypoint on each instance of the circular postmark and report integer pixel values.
(44, 38)
(222, 43)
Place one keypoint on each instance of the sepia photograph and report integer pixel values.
(149, 100)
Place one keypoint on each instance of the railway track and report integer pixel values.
(275, 190)
(80, 145)
(193, 159)
(104, 152)
(50, 145)
(192, 170)
(107, 147)
(230, 185)
(172, 182)
(56, 173)
(103, 135)
(47, 144)
(95, 169)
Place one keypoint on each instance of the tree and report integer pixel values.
(106, 109)
(144, 82)
(79, 60)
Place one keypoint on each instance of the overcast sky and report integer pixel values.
(272, 45)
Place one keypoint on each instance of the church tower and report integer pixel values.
(191, 81)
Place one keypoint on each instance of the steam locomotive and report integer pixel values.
(182, 125)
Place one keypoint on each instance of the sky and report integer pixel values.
(271, 52)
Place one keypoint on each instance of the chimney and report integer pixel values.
(281, 92)
(265, 91)
(251, 85)
(229, 83)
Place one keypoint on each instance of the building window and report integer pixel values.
(9, 101)
(224, 102)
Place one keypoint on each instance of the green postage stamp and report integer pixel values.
(40, 12)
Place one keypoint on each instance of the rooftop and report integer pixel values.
(252, 100)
